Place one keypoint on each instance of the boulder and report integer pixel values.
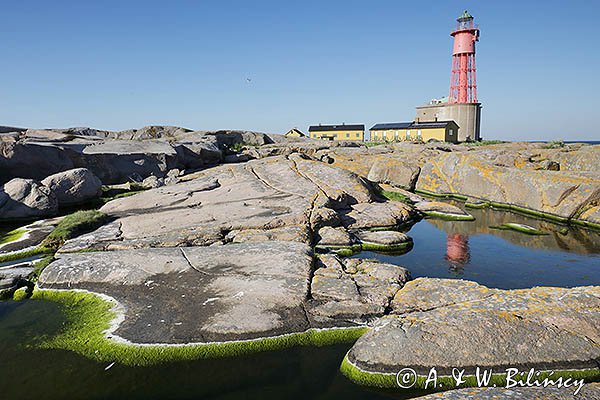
(385, 238)
(152, 182)
(26, 199)
(328, 236)
(443, 210)
(75, 186)
(373, 215)
(393, 171)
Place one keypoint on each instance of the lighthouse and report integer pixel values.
(463, 85)
(462, 105)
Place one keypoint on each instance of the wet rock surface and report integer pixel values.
(543, 328)
(258, 289)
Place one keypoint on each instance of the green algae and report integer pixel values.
(388, 380)
(89, 318)
(12, 236)
(529, 230)
(441, 195)
(19, 255)
(22, 293)
(347, 251)
(514, 208)
(394, 196)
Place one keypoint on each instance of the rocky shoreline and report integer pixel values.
(240, 237)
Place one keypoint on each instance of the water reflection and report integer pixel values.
(504, 259)
(457, 252)
(560, 237)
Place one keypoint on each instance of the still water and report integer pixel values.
(501, 259)
(467, 250)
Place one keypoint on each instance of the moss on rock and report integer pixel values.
(73, 225)
(22, 293)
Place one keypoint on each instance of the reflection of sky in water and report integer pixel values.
(501, 259)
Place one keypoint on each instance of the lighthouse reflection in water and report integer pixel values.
(457, 252)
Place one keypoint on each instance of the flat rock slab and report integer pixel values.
(196, 294)
(279, 198)
(451, 323)
(352, 291)
(590, 391)
(33, 235)
(329, 236)
(386, 238)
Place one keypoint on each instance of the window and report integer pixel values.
(347, 135)
(408, 134)
(419, 134)
(451, 132)
(358, 135)
(384, 135)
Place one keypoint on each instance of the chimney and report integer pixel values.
(417, 120)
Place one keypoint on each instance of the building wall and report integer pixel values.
(339, 135)
(399, 135)
(466, 116)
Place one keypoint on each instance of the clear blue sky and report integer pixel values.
(124, 64)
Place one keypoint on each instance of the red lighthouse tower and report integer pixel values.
(463, 85)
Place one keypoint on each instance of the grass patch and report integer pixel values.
(388, 381)
(529, 230)
(373, 144)
(120, 195)
(24, 254)
(88, 316)
(12, 236)
(72, 225)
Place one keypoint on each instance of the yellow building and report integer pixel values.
(337, 132)
(295, 132)
(444, 131)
